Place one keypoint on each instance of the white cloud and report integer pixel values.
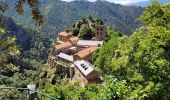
(116, 1)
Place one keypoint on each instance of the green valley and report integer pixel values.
(126, 47)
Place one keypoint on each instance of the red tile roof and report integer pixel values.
(73, 39)
(64, 45)
(84, 53)
(64, 34)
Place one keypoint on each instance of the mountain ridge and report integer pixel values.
(145, 3)
(60, 15)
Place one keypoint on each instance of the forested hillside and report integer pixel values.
(131, 67)
(59, 14)
(33, 42)
(23, 53)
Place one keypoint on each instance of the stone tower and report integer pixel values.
(100, 32)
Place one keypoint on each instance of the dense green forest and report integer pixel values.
(59, 15)
(23, 52)
(132, 67)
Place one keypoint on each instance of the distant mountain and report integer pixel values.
(23, 37)
(60, 15)
(32, 44)
(145, 3)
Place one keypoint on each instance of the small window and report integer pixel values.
(101, 33)
(101, 29)
(98, 29)
(97, 33)
(85, 68)
(82, 64)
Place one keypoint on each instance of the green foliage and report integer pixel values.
(8, 51)
(117, 16)
(22, 54)
(75, 32)
(2, 31)
(113, 89)
(19, 8)
(144, 58)
(99, 21)
(7, 94)
(62, 91)
(156, 15)
(103, 57)
(18, 80)
(134, 67)
(33, 44)
(86, 32)
(39, 45)
(141, 60)
(85, 28)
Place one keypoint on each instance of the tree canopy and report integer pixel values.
(142, 60)
(19, 7)
(8, 51)
(132, 67)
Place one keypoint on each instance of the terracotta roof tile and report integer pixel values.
(63, 45)
(84, 53)
(63, 34)
(73, 39)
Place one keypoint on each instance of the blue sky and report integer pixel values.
(118, 1)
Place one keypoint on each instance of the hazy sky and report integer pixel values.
(118, 1)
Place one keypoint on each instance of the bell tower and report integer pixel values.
(100, 32)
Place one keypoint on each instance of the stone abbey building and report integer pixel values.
(71, 56)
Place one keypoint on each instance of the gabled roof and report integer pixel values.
(85, 52)
(64, 45)
(65, 56)
(64, 34)
(85, 67)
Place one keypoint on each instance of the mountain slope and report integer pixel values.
(119, 17)
(33, 44)
(145, 3)
(59, 14)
